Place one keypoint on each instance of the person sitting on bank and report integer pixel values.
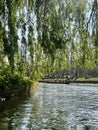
(68, 77)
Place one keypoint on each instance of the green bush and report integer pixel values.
(9, 80)
(5, 74)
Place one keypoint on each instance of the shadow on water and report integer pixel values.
(52, 107)
(15, 112)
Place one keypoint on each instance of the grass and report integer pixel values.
(89, 79)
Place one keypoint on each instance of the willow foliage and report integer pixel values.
(49, 33)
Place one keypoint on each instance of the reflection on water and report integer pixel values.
(53, 107)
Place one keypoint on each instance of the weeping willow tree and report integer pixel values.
(38, 37)
(82, 45)
(52, 29)
(93, 28)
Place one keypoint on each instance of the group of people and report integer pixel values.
(71, 76)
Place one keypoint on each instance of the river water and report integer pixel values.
(53, 107)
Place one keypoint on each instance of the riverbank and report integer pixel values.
(18, 92)
(79, 80)
(9, 93)
(13, 84)
(93, 80)
(85, 81)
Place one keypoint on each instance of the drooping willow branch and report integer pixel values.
(92, 12)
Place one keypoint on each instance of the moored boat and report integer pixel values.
(56, 81)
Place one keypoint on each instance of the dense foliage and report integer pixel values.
(38, 37)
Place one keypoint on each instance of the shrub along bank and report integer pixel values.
(13, 84)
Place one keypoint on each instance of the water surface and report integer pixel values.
(53, 107)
